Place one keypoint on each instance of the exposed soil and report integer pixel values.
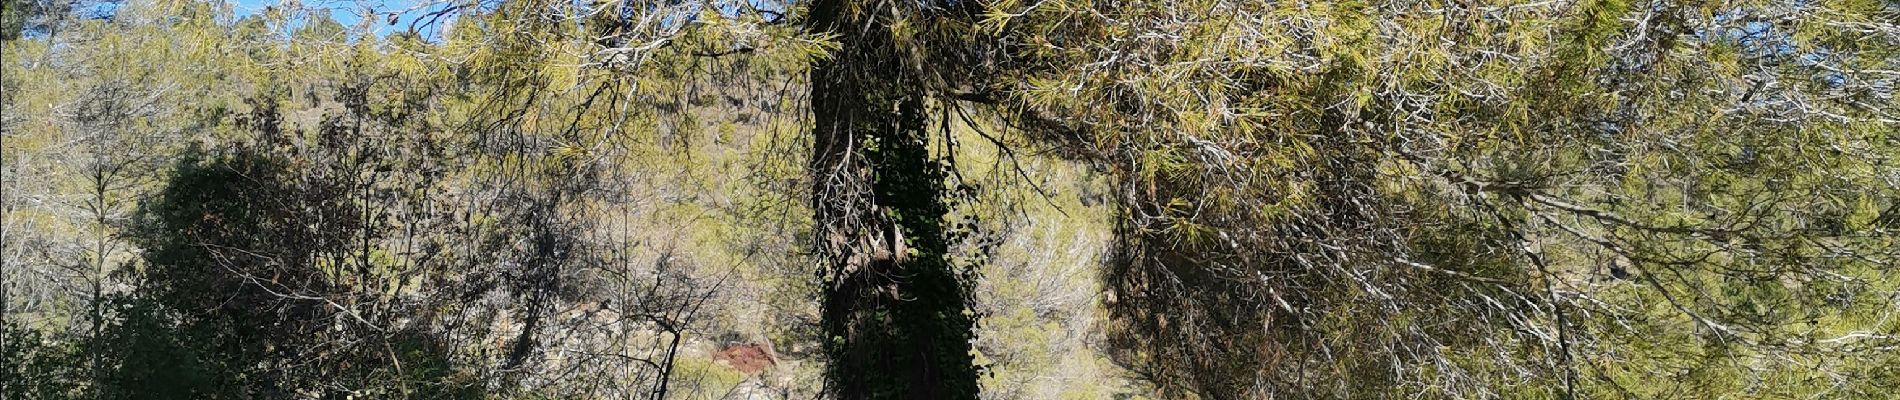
(746, 357)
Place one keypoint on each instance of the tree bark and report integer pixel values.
(894, 312)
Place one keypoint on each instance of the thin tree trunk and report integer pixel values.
(5, 209)
(100, 179)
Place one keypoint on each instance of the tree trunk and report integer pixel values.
(894, 312)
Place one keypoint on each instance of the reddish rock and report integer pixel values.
(748, 358)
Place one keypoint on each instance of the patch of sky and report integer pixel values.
(375, 17)
(429, 18)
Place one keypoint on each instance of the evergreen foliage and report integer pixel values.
(950, 199)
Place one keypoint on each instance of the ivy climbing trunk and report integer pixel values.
(894, 312)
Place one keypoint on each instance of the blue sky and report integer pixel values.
(351, 12)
